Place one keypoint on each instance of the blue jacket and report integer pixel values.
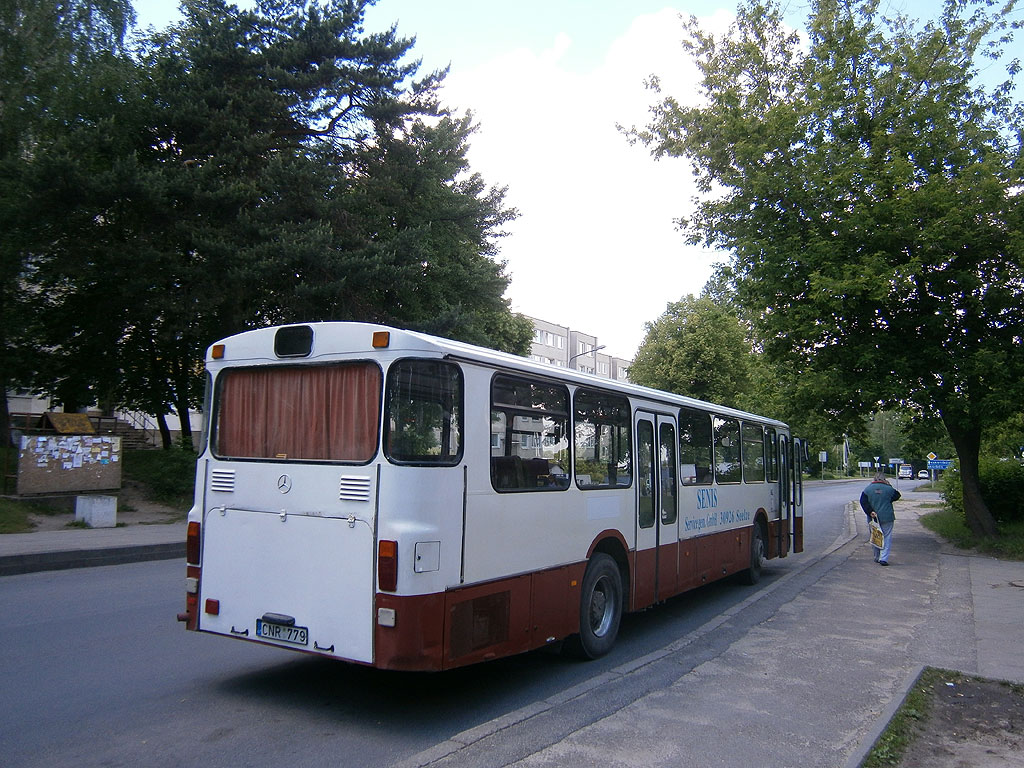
(879, 496)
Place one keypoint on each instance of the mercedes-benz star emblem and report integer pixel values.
(284, 483)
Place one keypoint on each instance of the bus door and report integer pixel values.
(785, 497)
(656, 565)
(797, 521)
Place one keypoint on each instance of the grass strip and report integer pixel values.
(1009, 544)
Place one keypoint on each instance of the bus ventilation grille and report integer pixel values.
(222, 480)
(354, 488)
(479, 622)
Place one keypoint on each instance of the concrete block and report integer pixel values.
(96, 511)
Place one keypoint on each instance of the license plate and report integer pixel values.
(282, 632)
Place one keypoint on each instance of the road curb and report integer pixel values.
(12, 565)
(859, 755)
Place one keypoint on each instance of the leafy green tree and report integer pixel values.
(886, 435)
(310, 177)
(696, 348)
(50, 54)
(415, 243)
(249, 167)
(1006, 440)
(924, 435)
(868, 189)
(699, 347)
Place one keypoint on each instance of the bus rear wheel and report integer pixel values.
(600, 608)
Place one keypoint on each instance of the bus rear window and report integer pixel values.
(308, 412)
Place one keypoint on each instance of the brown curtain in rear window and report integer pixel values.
(303, 412)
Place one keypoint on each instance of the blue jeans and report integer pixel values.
(882, 555)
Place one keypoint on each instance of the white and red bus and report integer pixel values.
(408, 502)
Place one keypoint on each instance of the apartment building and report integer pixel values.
(561, 346)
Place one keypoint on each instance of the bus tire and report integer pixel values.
(757, 556)
(600, 608)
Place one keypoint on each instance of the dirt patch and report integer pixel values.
(972, 723)
(133, 508)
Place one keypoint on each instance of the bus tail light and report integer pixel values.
(192, 544)
(387, 565)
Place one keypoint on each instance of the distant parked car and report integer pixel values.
(922, 474)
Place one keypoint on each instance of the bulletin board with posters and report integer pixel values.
(68, 463)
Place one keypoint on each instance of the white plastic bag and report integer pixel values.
(876, 535)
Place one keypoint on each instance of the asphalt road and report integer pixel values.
(97, 671)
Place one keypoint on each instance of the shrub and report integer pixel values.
(169, 474)
(1002, 487)
(953, 489)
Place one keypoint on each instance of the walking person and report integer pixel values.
(878, 497)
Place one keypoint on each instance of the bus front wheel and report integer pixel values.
(600, 608)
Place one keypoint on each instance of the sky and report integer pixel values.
(595, 247)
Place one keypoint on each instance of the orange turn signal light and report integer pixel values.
(217, 351)
(381, 339)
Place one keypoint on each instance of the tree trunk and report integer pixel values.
(186, 424)
(5, 417)
(165, 432)
(181, 381)
(967, 442)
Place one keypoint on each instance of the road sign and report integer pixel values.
(940, 463)
(932, 457)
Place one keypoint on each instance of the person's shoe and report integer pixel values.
(882, 562)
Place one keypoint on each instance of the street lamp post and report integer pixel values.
(568, 363)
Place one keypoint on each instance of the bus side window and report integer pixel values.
(771, 452)
(529, 435)
(602, 440)
(694, 447)
(423, 423)
(727, 450)
(753, 453)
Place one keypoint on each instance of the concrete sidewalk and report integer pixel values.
(805, 672)
(84, 547)
(812, 680)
